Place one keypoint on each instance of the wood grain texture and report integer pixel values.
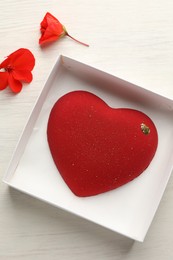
(131, 39)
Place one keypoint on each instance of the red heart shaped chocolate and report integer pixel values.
(97, 148)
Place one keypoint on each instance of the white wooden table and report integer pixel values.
(131, 39)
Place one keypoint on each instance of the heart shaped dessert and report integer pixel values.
(97, 148)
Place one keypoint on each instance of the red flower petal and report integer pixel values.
(49, 36)
(49, 19)
(3, 80)
(43, 24)
(15, 85)
(22, 75)
(4, 64)
(20, 59)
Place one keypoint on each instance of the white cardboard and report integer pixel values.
(129, 209)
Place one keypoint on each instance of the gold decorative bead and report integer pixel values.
(145, 129)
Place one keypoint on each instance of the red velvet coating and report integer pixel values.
(97, 148)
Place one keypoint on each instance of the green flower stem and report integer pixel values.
(76, 40)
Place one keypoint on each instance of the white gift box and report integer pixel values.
(128, 210)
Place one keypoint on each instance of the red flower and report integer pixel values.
(16, 67)
(52, 30)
